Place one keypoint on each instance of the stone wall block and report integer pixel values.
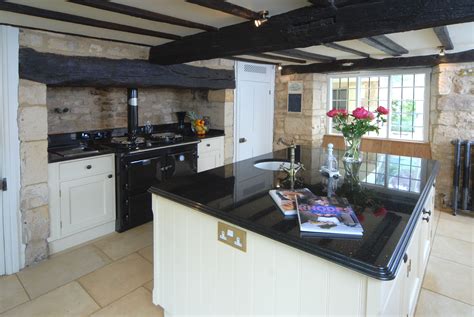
(34, 162)
(217, 95)
(35, 224)
(33, 123)
(31, 93)
(454, 102)
(34, 196)
(36, 251)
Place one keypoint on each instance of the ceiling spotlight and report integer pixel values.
(441, 51)
(348, 64)
(263, 18)
(280, 67)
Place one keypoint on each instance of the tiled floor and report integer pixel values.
(113, 277)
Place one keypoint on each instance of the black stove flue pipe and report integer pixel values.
(132, 111)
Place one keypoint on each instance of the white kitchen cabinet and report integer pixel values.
(82, 200)
(210, 153)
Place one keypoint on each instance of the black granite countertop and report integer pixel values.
(390, 198)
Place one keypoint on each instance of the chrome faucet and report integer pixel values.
(294, 167)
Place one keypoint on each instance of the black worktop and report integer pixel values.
(387, 205)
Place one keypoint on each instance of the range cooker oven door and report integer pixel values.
(140, 175)
(181, 163)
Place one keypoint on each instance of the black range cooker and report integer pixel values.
(146, 163)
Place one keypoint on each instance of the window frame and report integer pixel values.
(389, 72)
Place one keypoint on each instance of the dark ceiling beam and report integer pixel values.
(308, 26)
(346, 49)
(142, 14)
(250, 60)
(278, 58)
(386, 63)
(83, 71)
(384, 44)
(227, 7)
(70, 18)
(338, 3)
(443, 36)
(305, 55)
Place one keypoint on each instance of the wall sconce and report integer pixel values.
(279, 67)
(441, 51)
(263, 18)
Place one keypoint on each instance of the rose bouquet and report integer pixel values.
(354, 125)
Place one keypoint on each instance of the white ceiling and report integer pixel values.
(420, 42)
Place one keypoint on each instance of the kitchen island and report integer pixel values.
(277, 270)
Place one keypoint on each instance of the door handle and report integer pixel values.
(242, 140)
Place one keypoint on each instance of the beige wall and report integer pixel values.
(451, 117)
(309, 126)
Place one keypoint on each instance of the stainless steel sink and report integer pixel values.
(272, 165)
(73, 151)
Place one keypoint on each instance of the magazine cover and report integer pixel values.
(327, 215)
(286, 199)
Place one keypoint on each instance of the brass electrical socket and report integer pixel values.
(232, 236)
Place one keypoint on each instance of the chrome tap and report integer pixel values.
(294, 167)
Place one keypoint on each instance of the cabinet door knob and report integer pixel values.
(242, 140)
(89, 167)
(426, 212)
(208, 145)
(405, 258)
(110, 176)
(427, 219)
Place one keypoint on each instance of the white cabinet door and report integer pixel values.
(208, 160)
(86, 202)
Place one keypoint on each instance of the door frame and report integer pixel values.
(272, 69)
(10, 160)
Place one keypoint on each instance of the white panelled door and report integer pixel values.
(253, 119)
(2, 172)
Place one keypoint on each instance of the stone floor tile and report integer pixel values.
(137, 303)
(68, 300)
(147, 253)
(460, 217)
(12, 292)
(450, 279)
(149, 285)
(125, 243)
(455, 229)
(115, 280)
(453, 249)
(62, 269)
(431, 304)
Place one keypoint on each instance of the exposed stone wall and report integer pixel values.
(307, 127)
(452, 117)
(32, 124)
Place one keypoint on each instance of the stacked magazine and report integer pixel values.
(318, 214)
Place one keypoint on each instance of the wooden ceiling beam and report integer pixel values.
(70, 18)
(250, 60)
(384, 44)
(348, 65)
(142, 14)
(228, 8)
(308, 26)
(278, 58)
(443, 36)
(346, 49)
(305, 55)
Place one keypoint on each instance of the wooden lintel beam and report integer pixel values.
(278, 58)
(384, 44)
(348, 65)
(65, 17)
(443, 36)
(82, 71)
(346, 49)
(227, 7)
(142, 14)
(309, 26)
(305, 55)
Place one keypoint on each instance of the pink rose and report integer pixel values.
(332, 113)
(343, 112)
(371, 115)
(382, 110)
(380, 212)
(360, 113)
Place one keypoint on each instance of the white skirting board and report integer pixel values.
(58, 245)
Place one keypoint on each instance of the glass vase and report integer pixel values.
(352, 160)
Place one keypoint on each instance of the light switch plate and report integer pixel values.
(232, 236)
